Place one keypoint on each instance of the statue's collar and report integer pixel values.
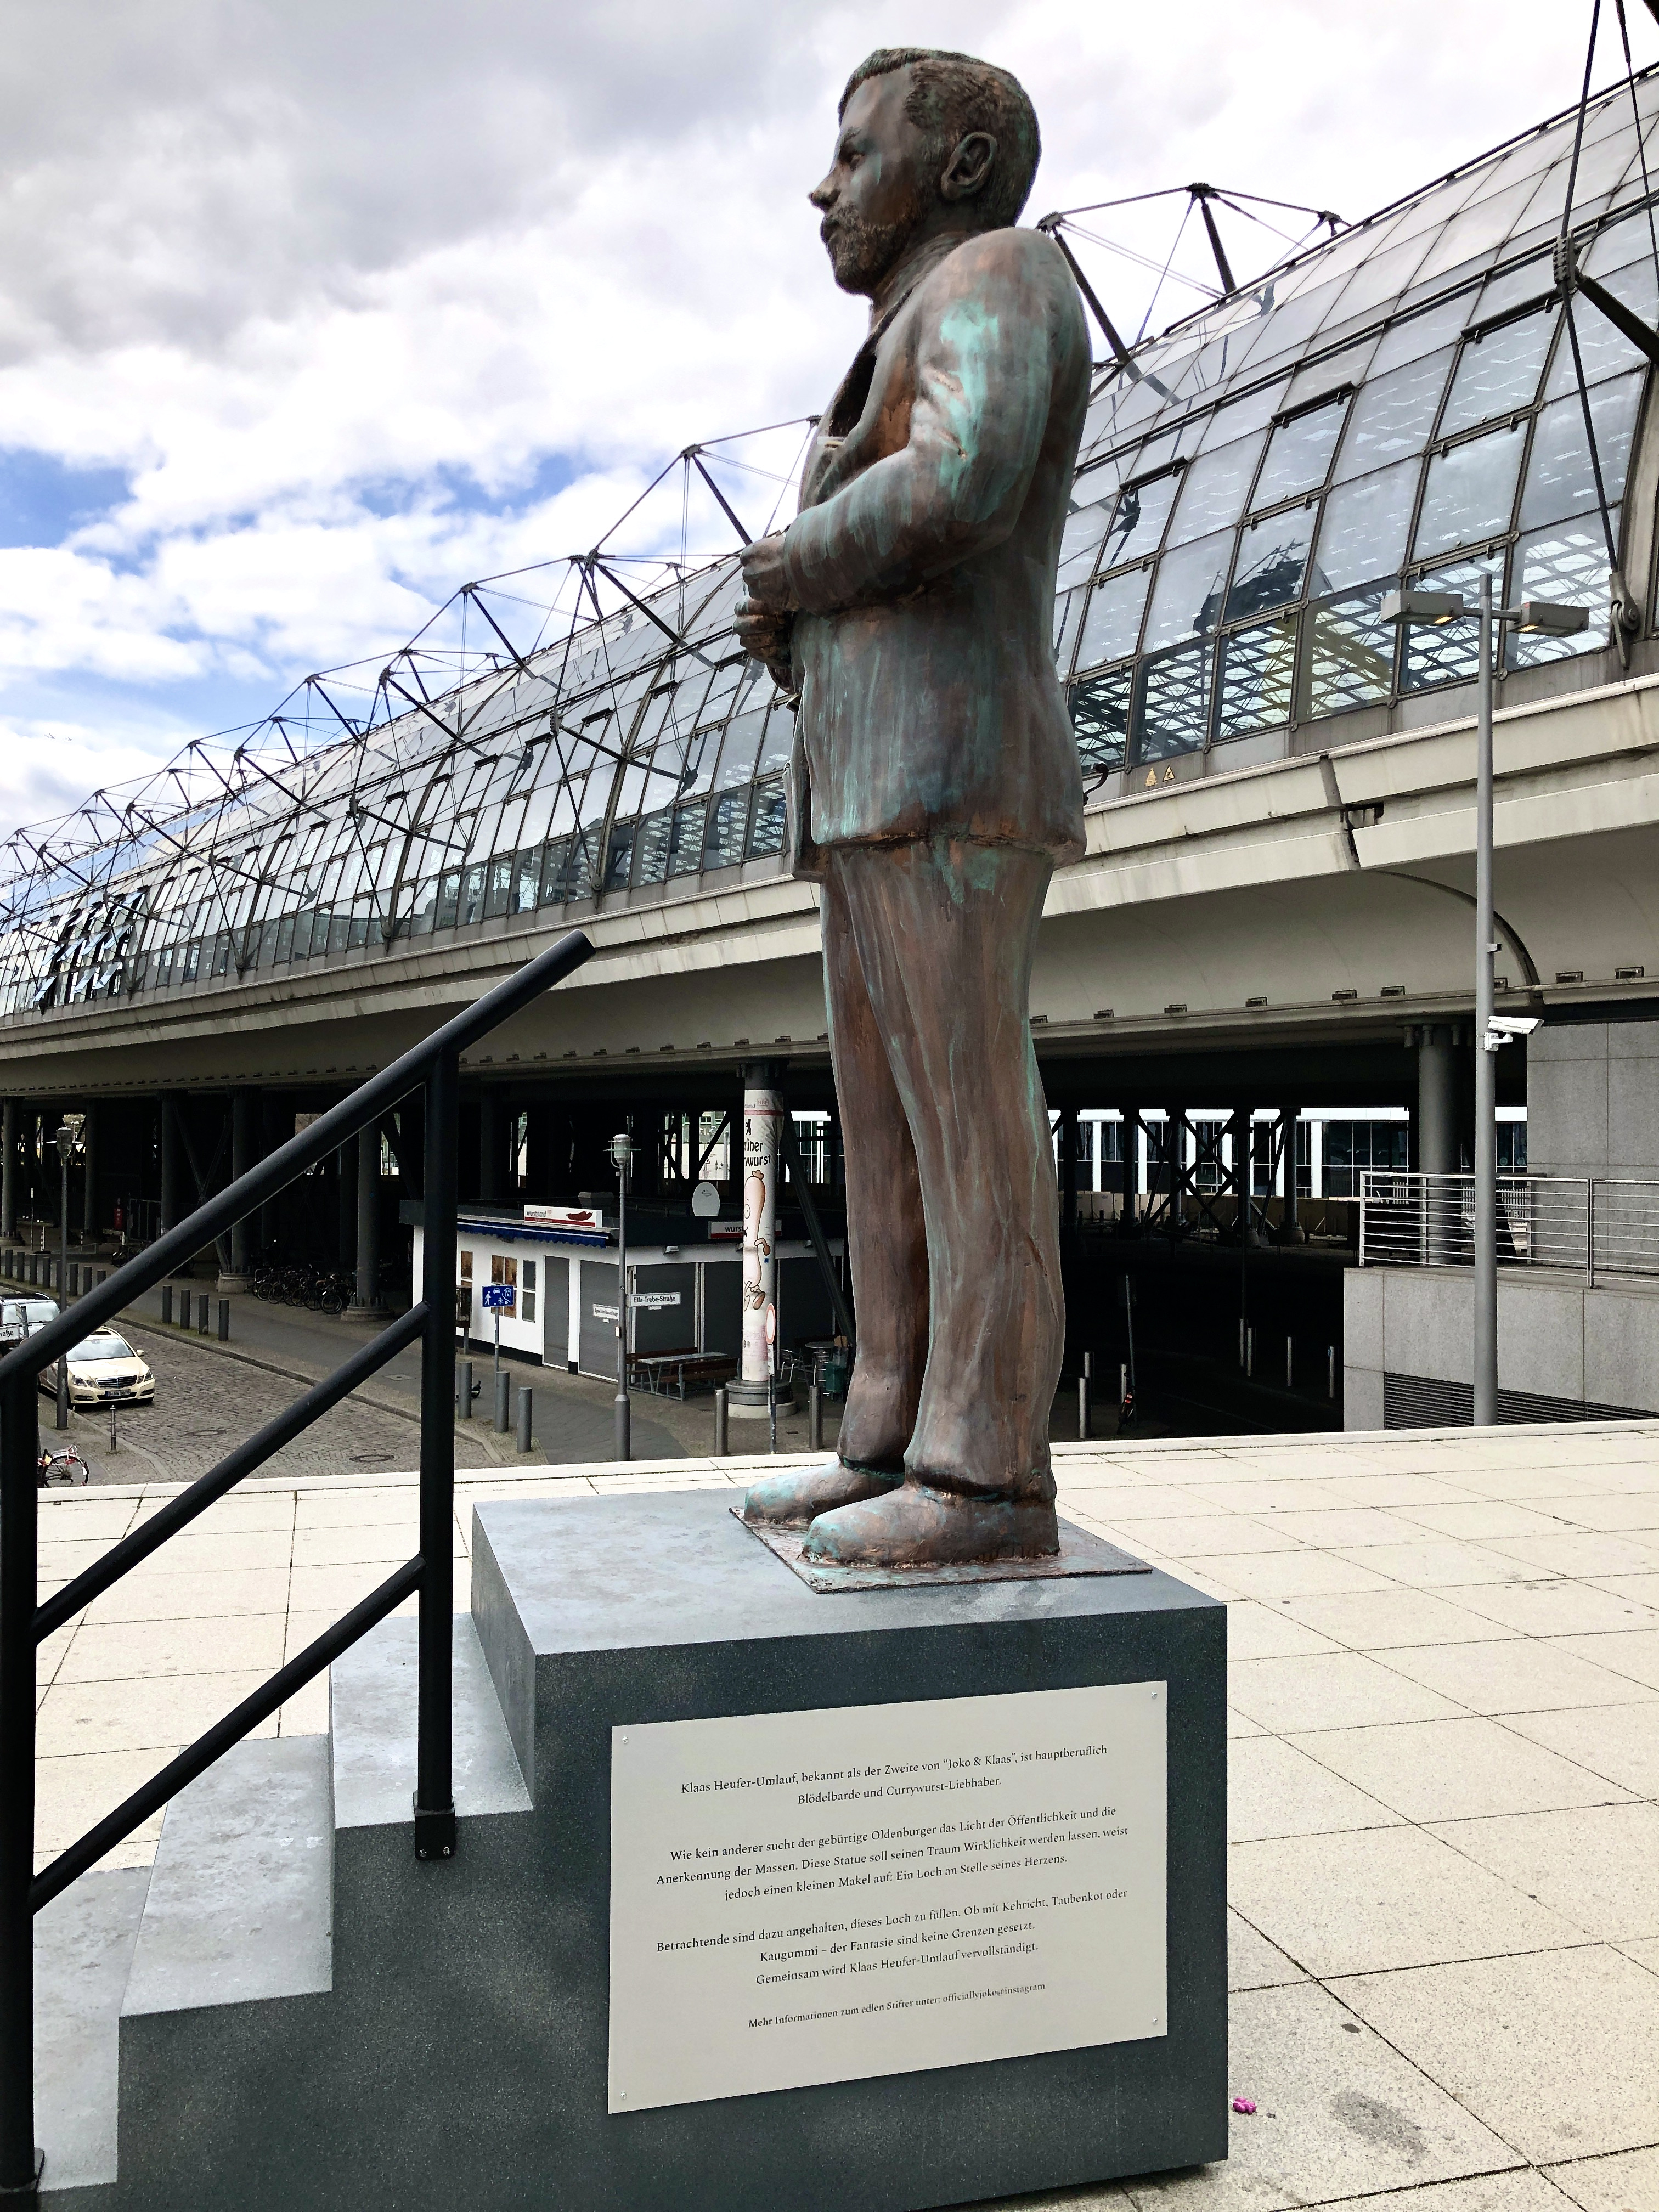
(916, 263)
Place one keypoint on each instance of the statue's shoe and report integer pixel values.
(790, 1501)
(916, 1527)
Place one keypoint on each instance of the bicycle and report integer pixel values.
(62, 1467)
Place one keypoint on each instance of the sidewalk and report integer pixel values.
(1445, 1762)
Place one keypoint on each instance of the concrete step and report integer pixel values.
(187, 2013)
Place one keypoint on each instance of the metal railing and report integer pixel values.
(25, 1623)
(1591, 1225)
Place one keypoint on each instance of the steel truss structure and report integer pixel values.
(1412, 396)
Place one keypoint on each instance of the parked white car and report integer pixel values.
(22, 1317)
(104, 1369)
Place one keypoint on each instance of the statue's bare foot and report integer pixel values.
(790, 1501)
(916, 1527)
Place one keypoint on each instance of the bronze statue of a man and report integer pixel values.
(935, 785)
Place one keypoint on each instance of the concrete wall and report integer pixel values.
(1592, 1099)
(1556, 1337)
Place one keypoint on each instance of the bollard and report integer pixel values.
(1083, 1421)
(526, 1436)
(224, 1320)
(1241, 1340)
(814, 1418)
(167, 1303)
(503, 1401)
(204, 1314)
(1122, 1384)
(1249, 1354)
(464, 1390)
(1290, 1364)
(1330, 1372)
(719, 1421)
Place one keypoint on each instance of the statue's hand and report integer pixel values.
(764, 634)
(764, 575)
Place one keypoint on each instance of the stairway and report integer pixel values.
(190, 2050)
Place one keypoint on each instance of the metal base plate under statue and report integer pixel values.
(860, 1901)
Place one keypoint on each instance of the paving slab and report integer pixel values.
(1554, 2049)
(1598, 1865)
(1379, 1898)
(1459, 1769)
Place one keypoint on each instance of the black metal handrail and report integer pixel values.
(25, 1623)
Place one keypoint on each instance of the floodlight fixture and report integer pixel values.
(1549, 618)
(1433, 608)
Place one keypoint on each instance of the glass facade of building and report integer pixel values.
(1400, 402)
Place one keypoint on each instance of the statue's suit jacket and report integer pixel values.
(922, 563)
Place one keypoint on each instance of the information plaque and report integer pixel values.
(822, 1896)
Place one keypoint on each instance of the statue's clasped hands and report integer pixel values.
(765, 616)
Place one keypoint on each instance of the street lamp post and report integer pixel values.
(622, 1153)
(1540, 618)
(68, 1135)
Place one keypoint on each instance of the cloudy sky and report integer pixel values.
(310, 311)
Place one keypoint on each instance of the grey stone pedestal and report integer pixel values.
(608, 1612)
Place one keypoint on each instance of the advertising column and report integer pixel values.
(762, 1118)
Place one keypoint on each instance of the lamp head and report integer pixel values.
(1549, 618)
(622, 1151)
(1432, 608)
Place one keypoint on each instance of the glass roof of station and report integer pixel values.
(1401, 401)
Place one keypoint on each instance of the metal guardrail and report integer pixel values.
(25, 1623)
(1593, 1225)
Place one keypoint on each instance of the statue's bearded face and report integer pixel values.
(878, 189)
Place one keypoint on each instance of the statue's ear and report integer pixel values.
(969, 166)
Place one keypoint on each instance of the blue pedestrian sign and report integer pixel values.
(499, 1296)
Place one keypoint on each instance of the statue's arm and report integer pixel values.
(983, 382)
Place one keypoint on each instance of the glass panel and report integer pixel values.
(1350, 654)
(1080, 542)
(449, 894)
(1257, 665)
(498, 894)
(1189, 587)
(1418, 335)
(526, 880)
(685, 845)
(1471, 490)
(1100, 717)
(728, 818)
(1068, 611)
(1237, 418)
(1299, 458)
(553, 868)
(1568, 563)
(1174, 712)
(473, 895)
(1498, 373)
(1560, 478)
(738, 751)
(655, 835)
(1113, 623)
(580, 870)
(339, 923)
(1449, 654)
(1138, 526)
(619, 855)
(769, 825)
(1365, 529)
(1394, 415)
(1272, 560)
(778, 743)
(1604, 348)
(1216, 489)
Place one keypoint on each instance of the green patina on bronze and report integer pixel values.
(934, 787)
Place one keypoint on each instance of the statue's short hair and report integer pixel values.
(951, 94)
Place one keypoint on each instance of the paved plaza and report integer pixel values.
(1444, 1767)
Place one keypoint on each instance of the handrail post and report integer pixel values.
(434, 1802)
(19, 1540)
(1589, 1232)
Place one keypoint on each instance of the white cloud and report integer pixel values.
(303, 270)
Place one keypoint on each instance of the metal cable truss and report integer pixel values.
(376, 791)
